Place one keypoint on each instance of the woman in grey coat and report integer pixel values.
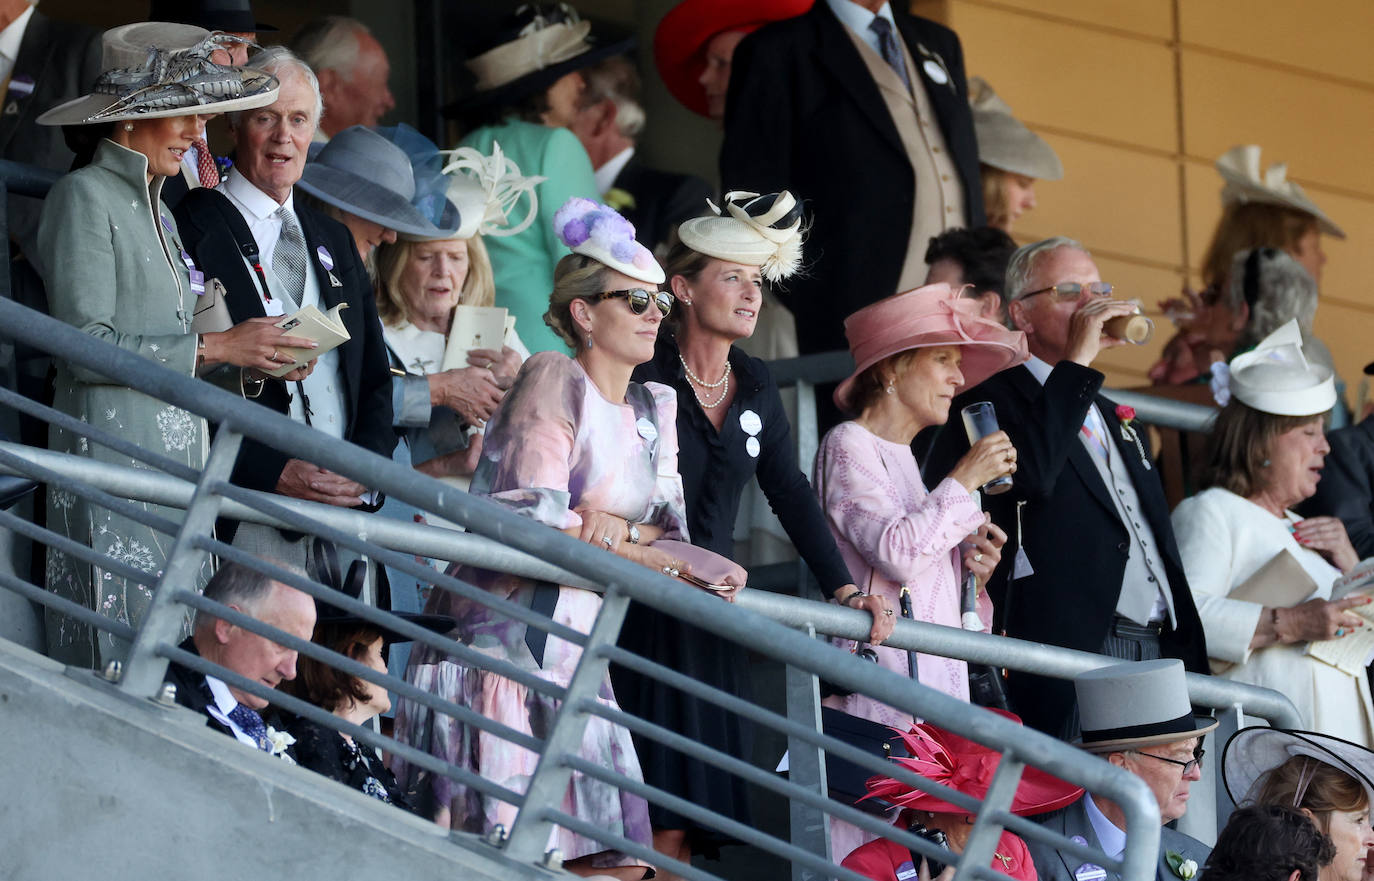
(114, 267)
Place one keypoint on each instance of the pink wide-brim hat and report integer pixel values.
(933, 315)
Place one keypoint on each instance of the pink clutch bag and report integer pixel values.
(710, 570)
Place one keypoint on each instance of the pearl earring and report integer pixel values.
(891, 387)
(128, 126)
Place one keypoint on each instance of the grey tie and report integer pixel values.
(892, 53)
(288, 260)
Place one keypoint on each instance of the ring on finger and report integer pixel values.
(978, 557)
(276, 356)
(605, 540)
(1340, 631)
(887, 612)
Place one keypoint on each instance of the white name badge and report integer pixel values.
(935, 72)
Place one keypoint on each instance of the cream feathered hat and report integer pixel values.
(1004, 141)
(1240, 169)
(756, 230)
(1275, 377)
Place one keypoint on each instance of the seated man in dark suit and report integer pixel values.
(608, 123)
(226, 708)
(1090, 561)
(1138, 717)
(275, 255)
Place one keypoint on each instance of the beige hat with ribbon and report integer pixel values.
(1004, 141)
(756, 230)
(1240, 169)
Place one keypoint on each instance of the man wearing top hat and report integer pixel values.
(1090, 561)
(862, 111)
(1138, 717)
(275, 255)
(235, 18)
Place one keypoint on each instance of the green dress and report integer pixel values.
(115, 272)
(523, 263)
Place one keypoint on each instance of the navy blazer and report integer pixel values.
(1056, 865)
(804, 114)
(363, 366)
(1074, 538)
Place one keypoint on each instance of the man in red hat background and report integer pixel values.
(862, 111)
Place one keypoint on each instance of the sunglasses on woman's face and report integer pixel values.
(639, 299)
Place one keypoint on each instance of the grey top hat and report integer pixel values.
(1145, 703)
(1252, 753)
(363, 173)
(153, 69)
(1004, 141)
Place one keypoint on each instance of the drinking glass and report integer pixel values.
(980, 420)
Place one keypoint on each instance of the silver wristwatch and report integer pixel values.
(634, 532)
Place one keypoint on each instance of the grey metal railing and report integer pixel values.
(154, 642)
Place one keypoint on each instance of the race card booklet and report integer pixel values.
(475, 327)
(1354, 651)
(325, 328)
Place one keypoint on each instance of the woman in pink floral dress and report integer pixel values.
(578, 447)
(913, 352)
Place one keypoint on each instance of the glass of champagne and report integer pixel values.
(980, 420)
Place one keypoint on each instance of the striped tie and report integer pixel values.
(892, 53)
(1096, 434)
(288, 260)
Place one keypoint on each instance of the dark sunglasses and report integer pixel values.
(638, 298)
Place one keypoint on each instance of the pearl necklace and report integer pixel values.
(723, 384)
(724, 377)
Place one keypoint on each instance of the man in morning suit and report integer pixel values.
(302, 257)
(227, 708)
(1090, 561)
(1138, 717)
(862, 112)
(608, 123)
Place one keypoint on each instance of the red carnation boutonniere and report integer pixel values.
(1128, 433)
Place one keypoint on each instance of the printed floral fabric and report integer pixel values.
(114, 271)
(556, 445)
(327, 752)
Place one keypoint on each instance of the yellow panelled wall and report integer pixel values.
(1139, 97)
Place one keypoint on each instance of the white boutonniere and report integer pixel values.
(1129, 434)
(280, 741)
(1182, 866)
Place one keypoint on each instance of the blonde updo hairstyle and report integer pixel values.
(479, 287)
(576, 277)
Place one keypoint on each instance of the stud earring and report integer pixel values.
(128, 126)
(1264, 464)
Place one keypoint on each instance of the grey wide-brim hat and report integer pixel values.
(155, 69)
(1145, 703)
(1239, 167)
(1251, 753)
(1004, 142)
(363, 173)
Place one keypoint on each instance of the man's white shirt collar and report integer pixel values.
(1112, 839)
(224, 705)
(254, 200)
(858, 19)
(1039, 369)
(610, 170)
(13, 36)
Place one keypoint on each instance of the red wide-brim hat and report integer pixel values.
(933, 315)
(959, 763)
(681, 38)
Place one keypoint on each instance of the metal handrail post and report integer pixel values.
(529, 834)
(809, 827)
(987, 830)
(807, 444)
(145, 667)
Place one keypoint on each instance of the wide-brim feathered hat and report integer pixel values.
(763, 231)
(540, 44)
(1125, 706)
(1240, 169)
(1252, 753)
(933, 315)
(1275, 377)
(599, 232)
(363, 173)
(969, 767)
(1004, 141)
(156, 69)
(681, 38)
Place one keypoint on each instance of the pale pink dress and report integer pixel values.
(891, 530)
(554, 446)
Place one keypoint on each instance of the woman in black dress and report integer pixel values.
(731, 427)
(355, 700)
